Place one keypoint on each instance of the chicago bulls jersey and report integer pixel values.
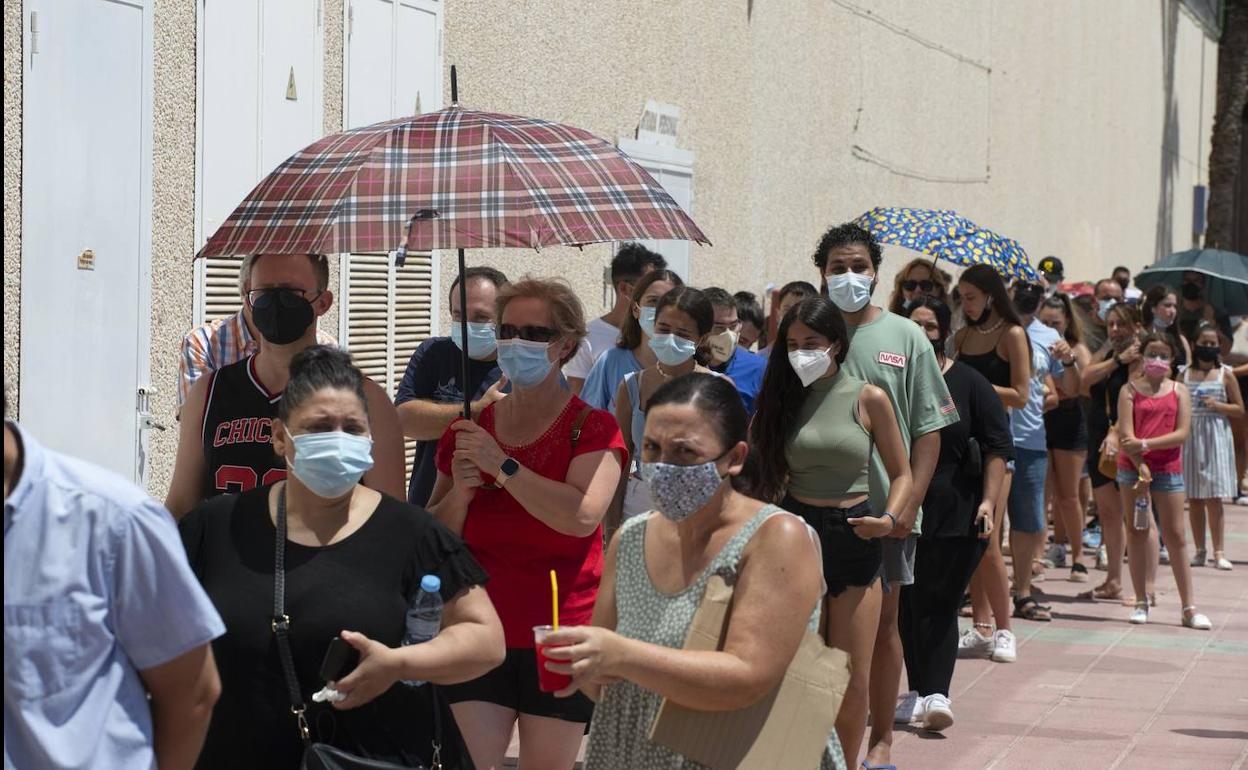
(238, 431)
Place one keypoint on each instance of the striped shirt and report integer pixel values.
(217, 343)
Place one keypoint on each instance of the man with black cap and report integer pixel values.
(1054, 273)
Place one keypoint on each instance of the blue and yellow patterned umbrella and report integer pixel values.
(947, 235)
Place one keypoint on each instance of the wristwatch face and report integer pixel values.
(509, 467)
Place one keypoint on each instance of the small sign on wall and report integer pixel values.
(86, 260)
(658, 123)
(291, 93)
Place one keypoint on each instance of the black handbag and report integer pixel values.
(322, 756)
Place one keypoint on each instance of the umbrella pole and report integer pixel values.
(463, 331)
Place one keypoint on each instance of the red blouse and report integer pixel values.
(517, 550)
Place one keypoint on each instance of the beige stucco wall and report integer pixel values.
(1078, 128)
(12, 198)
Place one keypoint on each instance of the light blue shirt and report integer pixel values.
(1027, 424)
(603, 380)
(96, 588)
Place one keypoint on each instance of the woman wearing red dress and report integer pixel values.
(527, 487)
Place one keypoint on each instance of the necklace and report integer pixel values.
(990, 329)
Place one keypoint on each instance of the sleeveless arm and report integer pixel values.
(190, 467)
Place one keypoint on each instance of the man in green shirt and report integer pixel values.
(892, 353)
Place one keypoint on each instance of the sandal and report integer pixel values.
(1194, 619)
(1103, 591)
(1078, 573)
(1028, 608)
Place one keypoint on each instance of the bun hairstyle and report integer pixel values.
(315, 369)
(631, 336)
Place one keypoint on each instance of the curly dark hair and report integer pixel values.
(845, 235)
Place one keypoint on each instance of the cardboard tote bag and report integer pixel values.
(788, 728)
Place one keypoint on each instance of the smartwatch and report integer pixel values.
(508, 469)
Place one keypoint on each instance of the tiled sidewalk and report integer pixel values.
(1091, 691)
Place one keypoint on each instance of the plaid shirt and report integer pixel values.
(217, 343)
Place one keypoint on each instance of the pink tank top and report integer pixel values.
(1155, 416)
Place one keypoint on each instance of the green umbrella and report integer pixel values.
(1226, 277)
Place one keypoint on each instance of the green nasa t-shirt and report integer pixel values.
(893, 354)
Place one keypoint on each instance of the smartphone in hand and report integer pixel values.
(340, 660)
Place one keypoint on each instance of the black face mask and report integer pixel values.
(282, 316)
(982, 316)
(938, 347)
(1206, 353)
(1191, 291)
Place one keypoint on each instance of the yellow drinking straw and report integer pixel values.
(554, 600)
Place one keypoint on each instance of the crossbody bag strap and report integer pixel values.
(281, 622)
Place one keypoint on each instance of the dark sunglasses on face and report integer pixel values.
(288, 297)
(912, 285)
(527, 333)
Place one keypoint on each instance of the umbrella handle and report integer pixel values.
(454, 85)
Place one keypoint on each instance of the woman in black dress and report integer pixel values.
(957, 522)
(354, 559)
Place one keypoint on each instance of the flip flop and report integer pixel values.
(868, 766)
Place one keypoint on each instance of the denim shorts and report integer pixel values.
(1162, 482)
(1026, 503)
(848, 560)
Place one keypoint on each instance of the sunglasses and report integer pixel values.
(912, 285)
(527, 333)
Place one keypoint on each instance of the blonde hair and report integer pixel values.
(939, 278)
(567, 315)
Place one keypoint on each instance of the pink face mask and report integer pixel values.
(1156, 367)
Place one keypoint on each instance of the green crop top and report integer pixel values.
(829, 453)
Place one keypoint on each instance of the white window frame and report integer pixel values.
(657, 159)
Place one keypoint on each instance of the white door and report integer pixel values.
(86, 227)
(260, 90)
(672, 168)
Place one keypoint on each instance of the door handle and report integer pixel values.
(148, 423)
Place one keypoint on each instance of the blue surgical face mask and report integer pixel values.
(524, 363)
(647, 320)
(1103, 307)
(331, 464)
(672, 350)
(481, 340)
(850, 291)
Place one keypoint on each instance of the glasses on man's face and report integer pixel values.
(720, 328)
(527, 333)
(926, 286)
(286, 295)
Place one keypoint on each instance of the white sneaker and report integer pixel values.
(1004, 647)
(1139, 616)
(937, 713)
(1241, 500)
(909, 708)
(1221, 562)
(1199, 558)
(973, 645)
(1102, 558)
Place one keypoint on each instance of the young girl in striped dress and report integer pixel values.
(1209, 456)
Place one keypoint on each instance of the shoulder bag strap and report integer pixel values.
(580, 423)
(281, 621)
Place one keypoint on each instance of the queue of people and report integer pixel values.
(856, 478)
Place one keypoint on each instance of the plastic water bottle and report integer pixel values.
(1142, 512)
(424, 616)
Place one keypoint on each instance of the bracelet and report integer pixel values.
(892, 517)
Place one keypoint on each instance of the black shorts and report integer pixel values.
(513, 685)
(1065, 427)
(848, 560)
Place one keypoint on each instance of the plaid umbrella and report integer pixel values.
(946, 235)
(451, 179)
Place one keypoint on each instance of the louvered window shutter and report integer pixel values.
(387, 312)
(220, 286)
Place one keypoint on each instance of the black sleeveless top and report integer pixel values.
(994, 368)
(238, 431)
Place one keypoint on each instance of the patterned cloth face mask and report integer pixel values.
(679, 491)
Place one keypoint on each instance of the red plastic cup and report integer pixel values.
(547, 681)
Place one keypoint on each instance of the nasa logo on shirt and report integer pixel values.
(892, 359)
